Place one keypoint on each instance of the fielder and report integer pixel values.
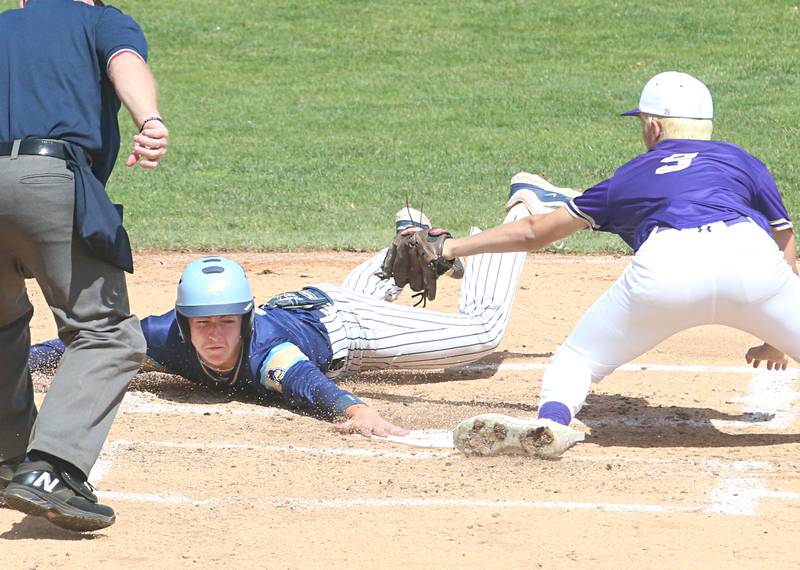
(713, 245)
(298, 342)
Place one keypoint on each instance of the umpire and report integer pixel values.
(65, 66)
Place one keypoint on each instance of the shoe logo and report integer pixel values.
(550, 195)
(46, 482)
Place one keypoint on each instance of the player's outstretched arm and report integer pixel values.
(528, 234)
(303, 385)
(366, 421)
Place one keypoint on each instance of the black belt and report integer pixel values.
(40, 147)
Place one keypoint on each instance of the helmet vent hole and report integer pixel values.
(213, 269)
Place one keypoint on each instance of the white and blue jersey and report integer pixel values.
(681, 184)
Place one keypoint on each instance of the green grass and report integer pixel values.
(308, 124)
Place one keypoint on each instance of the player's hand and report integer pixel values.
(776, 360)
(366, 421)
(149, 146)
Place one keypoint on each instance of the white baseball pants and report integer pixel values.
(373, 334)
(717, 274)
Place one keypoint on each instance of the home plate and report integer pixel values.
(431, 438)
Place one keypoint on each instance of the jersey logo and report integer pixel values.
(46, 482)
(681, 160)
(278, 361)
(276, 375)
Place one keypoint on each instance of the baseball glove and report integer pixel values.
(416, 260)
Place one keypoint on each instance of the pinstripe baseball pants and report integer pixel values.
(372, 333)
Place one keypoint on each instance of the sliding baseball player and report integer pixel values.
(299, 342)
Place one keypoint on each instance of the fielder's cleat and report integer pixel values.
(537, 194)
(40, 490)
(496, 434)
(408, 217)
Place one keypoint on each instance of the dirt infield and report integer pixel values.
(693, 459)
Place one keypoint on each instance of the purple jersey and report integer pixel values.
(683, 183)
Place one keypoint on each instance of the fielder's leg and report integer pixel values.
(677, 280)
(617, 328)
(634, 315)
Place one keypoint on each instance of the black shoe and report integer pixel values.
(66, 500)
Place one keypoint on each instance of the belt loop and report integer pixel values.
(15, 149)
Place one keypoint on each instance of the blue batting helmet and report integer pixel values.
(213, 286)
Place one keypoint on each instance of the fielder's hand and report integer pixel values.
(776, 360)
(367, 422)
(415, 259)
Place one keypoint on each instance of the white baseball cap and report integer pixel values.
(675, 94)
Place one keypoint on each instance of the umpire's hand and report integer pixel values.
(149, 146)
(367, 422)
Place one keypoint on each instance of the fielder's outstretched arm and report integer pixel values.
(528, 234)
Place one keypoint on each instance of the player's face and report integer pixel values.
(217, 340)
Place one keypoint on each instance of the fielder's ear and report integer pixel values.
(658, 129)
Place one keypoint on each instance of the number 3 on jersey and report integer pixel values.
(676, 162)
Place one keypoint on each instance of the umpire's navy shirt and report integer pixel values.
(54, 57)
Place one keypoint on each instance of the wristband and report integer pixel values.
(345, 401)
(148, 119)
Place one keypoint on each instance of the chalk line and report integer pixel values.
(312, 504)
(143, 403)
(737, 492)
(438, 438)
(768, 391)
(346, 452)
(517, 366)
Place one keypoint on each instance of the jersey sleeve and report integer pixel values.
(768, 199)
(592, 206)
(117, 33)
(288, 371)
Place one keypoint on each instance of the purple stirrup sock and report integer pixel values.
(555, 411)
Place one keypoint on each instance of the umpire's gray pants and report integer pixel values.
(89, 300)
